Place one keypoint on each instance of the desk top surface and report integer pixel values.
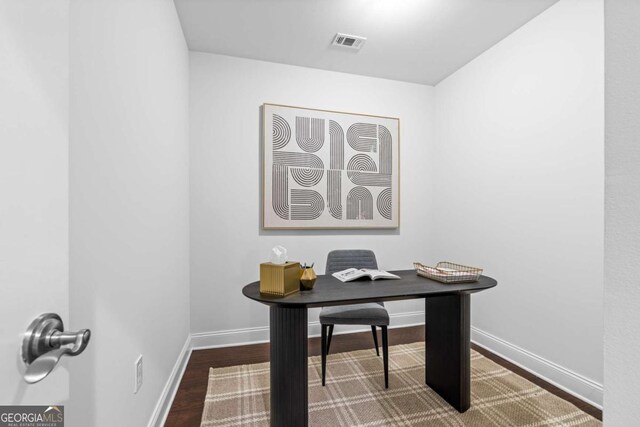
(330, 291)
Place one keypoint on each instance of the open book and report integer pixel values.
(353, 273)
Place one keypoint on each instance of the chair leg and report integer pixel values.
(385, 356)
(323, 344)
(329, 340)
(375, 339)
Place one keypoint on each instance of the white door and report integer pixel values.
(34, 187)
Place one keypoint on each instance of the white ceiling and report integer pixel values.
(420, 41)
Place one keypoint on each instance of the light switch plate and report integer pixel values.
(138, 375)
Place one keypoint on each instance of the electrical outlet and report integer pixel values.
(138, 375)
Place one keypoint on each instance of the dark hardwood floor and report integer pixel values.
(189, 401)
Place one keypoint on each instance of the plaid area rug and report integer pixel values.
(355, 395)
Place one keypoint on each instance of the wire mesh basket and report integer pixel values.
(448, 272)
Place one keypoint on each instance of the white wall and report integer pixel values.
(129, 204)
(622, 204)
(227, 243)
(518, 178)
(34, 181)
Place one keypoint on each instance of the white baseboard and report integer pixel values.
(202, 340)
(159, 415)
(581, 387)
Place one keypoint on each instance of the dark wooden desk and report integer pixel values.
(447, 319)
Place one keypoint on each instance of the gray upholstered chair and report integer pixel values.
(373, 314)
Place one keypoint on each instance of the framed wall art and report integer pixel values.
(329, 169)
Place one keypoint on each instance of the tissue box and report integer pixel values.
(279, 279)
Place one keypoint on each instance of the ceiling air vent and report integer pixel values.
(346, 40)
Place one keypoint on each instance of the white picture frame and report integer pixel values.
(327, 169)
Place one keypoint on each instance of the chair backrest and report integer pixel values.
(347, 258)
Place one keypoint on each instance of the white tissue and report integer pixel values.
(279, 255)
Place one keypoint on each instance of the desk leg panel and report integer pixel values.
(289, 387)
(448, 348)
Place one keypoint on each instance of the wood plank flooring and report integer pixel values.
(188, 404)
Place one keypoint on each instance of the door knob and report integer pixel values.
(45, 342)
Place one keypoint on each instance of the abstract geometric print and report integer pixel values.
(325, 169)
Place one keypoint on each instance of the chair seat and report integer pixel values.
(355, 314)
